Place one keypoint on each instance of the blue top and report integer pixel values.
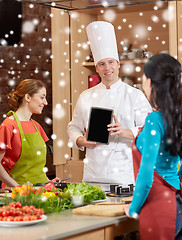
(151, 144)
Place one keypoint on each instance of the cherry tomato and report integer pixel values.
(5, 213)
(26, 218)
(5, 218)
(18, 205)
(33, 217)
(18, 218)
(10, 219)
(12, 204)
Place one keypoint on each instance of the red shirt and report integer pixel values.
(10, 139)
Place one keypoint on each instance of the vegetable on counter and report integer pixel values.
(15, 212)
(52, 199)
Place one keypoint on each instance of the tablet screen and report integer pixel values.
(97, 128)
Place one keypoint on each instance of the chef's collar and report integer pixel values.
(113, 86)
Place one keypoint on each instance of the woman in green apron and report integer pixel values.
(22, 139)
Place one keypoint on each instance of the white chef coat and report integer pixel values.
(110, 163)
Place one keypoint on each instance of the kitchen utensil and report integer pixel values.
(61, 180)
(148, 54)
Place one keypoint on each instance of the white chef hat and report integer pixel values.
(101, 36)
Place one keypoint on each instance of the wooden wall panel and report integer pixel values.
(179, 31)
(173, 35)
(60, 84)
(79, 51)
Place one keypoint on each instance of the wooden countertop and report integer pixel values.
(58, 226)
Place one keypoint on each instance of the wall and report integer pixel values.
(30, 58)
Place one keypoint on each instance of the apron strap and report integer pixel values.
(18, 123)
(34, 125)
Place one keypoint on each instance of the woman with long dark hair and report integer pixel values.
(156, 151)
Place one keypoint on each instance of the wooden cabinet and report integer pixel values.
(144, 26)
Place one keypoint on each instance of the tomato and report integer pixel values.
(18, 212)
(12, 205)
(32, 207)
(10, 219)
(12, 212)
(24, 208)
(39, 211)
(5, 213)
(33, 217)
(18, 218)
(18, 205)
(26, 218)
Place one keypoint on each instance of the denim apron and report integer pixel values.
(29, 166)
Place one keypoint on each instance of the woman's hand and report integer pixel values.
(126, 209)
(56, 179)
(117, 129)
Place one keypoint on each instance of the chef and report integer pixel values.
(110, 163)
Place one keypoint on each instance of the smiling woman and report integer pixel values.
(23, 148)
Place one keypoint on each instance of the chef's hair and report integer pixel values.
(166, 96)
(27, 86)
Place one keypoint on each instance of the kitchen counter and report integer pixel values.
(68, 226)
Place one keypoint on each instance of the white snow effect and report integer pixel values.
(53, 136)
(60, 143)
(28, 27)
(38, 152)
(58, 111)
(85, 160)
(140, 31)
(109, 15)
(168, 14)
(153, 132)
(3, 42)
(48, 120)
(77, 200)
(128, 68)
(45, 169)
(70, 144)
(66, 156)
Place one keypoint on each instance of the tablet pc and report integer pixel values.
(97, 127)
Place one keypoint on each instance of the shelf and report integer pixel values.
(134, 61)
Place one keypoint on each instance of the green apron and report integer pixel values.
(29, 166)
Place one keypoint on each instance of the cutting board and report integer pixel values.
(101, 210)
(127, 199)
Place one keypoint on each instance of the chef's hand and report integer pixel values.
(117, 129)
(82, 142)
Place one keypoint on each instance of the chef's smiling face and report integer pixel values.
(37, 101)
(108, 69)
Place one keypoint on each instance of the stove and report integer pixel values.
(120, 191)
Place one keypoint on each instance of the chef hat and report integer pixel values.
(101, 36)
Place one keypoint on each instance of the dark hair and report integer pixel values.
(166, 94)
(27, 86)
